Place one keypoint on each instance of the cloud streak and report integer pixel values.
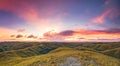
(85, 34)
(101, 19)
(112, 11)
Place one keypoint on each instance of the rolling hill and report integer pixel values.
(53, 53)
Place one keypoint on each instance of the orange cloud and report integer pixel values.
(9, 34)
(76, 35)
(67, 35)
(5, 33)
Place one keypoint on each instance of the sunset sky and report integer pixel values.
(60, 20)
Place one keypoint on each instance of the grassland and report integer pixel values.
(52, 53)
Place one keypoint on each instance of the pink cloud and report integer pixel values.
(112, 5)
(32, 15)
(112, 11)
(77, 34)
(21, 30)
(100, 19)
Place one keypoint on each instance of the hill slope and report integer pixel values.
(52, 53)
(113, 52)
(59, 55)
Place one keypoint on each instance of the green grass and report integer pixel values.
(59, 55)
(113, 52)
(35, 53)
(102, 46)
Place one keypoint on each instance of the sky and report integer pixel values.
(60, 20)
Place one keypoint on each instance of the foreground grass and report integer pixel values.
(59, 55)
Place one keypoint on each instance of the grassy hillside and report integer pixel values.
(27, 52)
(52, 53)
(102, 46)
(59, 55)
(111, 49)
(7, 46)
(113, 52)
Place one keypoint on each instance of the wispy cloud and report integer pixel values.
(111, 11)
(101, 19)
(32, 15)
(21, 30)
